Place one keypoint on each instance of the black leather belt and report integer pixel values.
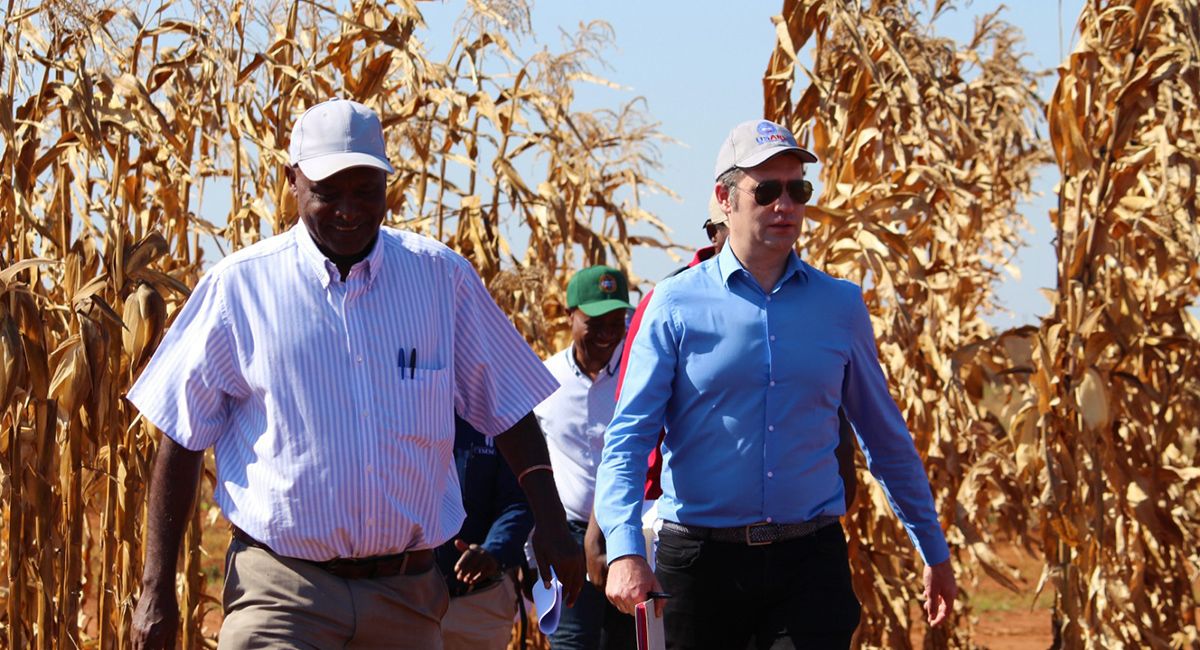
(754, 534)
(359, 568)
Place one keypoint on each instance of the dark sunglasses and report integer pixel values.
(767, 192)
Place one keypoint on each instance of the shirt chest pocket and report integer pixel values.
(419, 403)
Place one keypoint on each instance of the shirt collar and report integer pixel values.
(323, 268)
(728, 264)
(610, 368)
(375, 258)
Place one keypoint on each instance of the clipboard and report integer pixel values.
(650, 635)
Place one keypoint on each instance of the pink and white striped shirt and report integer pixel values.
(329, 441)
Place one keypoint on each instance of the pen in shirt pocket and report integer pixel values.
(412, 363)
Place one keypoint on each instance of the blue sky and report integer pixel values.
(699, 66)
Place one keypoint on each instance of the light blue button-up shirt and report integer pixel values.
(748, 385)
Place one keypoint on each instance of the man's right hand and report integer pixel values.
(173, 484)
(156, 619)
(629, 581)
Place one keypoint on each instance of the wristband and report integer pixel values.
(533, 468)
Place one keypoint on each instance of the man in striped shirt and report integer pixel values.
(324, 366)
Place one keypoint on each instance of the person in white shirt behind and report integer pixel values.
(574, 419)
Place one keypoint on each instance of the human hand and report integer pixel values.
(475, 563)
(156, 619)
(940, 591)
(595, 550)
(629, 582)
(555, 547)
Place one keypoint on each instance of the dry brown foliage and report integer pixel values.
(1099, 403)
(116, 123)
(1077, 438)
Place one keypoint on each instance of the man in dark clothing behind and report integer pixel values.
(478, 563)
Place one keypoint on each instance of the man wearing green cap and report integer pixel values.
(574, 419)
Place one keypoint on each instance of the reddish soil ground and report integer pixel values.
(1008, 621)
(1022, 630)
(1005, 620)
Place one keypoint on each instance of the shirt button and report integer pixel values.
(365, 414)
(358, 359)
(768, 298)
(772, 383)
(770, 519)
(370, 468)
(371, 522)
(770, 474)
(772, 337)
(771, 428)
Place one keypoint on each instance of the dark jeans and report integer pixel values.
(593, 623)
(793, 594)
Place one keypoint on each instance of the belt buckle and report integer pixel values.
(751, 542)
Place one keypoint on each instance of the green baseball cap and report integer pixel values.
(598, 290)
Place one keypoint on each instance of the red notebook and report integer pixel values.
(649, 627)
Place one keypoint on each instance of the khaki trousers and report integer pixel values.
(279, 602)
(481, 620)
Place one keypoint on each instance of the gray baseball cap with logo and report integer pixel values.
(751, 143)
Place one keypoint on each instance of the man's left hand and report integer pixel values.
(475, 564)
(940, 591)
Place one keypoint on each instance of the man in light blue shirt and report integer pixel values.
(745, 359)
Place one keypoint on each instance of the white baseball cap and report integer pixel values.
(336, 135)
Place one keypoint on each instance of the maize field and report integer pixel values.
(1075, 440)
